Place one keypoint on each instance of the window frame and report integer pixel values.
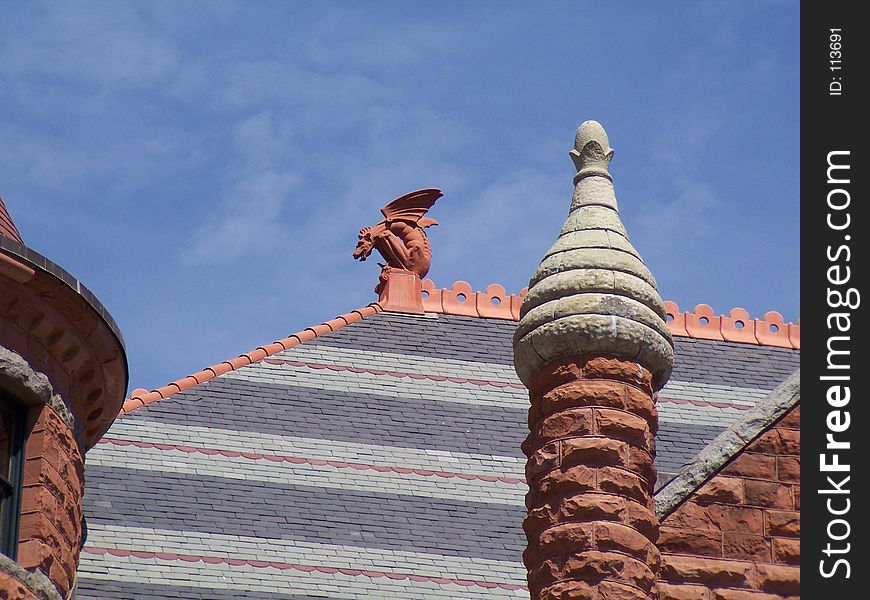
(10, 507)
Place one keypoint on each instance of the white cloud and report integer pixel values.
(89, 46)
(498, 231)
(247, 221)
(343, 38)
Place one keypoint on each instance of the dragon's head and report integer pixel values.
(365, 244)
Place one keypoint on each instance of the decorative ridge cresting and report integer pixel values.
(736, 326)
(496, 303)
(141, 397)
(702, 323)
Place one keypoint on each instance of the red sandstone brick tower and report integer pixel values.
(63, 376)
(593, 348)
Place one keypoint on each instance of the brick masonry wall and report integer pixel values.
(51, 516)
(591, 527)
(737, 538)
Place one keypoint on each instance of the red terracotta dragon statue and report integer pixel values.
(400, 237)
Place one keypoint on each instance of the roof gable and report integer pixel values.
(716, 455)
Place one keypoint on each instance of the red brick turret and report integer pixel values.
(63, 376)
(592, 347)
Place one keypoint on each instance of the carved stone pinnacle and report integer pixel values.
(592, 292)
(592, 152)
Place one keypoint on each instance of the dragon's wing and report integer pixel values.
(411, 207)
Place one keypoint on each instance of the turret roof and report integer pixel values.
(7, 225)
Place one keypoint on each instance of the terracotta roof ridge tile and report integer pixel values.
(701, 323)
(141, 397)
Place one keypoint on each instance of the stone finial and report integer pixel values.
(592, 292)
(592, 152)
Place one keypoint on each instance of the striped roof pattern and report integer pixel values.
(381, 460)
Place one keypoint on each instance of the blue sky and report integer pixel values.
(205, 167)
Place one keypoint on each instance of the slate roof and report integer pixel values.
(380, 460)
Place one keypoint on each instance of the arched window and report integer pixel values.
(12, 416)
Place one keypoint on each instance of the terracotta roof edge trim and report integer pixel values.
(141, 397)
(701, 323)
(712, 459)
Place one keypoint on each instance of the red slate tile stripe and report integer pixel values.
(141, 397)
(171, 556)
(396, 374)
(477, 382)
(696, 402)
(312, 461)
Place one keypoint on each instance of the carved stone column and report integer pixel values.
(592, 347)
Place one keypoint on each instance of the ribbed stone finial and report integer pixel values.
(592, 292)
(592, 151)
